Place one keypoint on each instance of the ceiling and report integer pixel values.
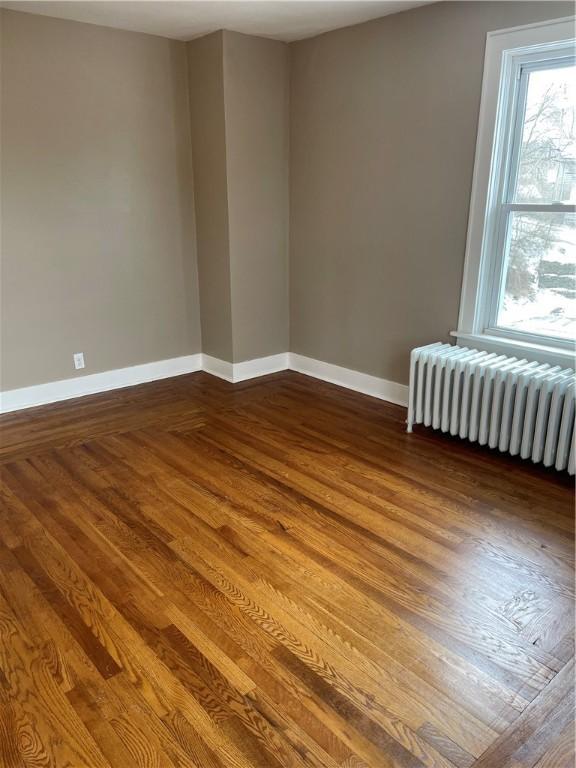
(185, 19)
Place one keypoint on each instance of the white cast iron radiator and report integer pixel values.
(523, 408)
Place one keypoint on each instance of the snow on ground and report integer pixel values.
(548, 313)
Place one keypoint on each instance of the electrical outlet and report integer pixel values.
(78, 360)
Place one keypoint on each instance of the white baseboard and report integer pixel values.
(249, 369)
(346, 377)
(216, 367)
(54, 391)
(335, 374)
(42, 394)
(262, 366)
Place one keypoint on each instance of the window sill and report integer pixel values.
(538, 352)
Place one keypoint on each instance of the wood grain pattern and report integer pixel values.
(275, 575)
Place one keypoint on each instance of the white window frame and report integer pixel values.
(509, 52)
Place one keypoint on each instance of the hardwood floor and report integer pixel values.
(274, 574)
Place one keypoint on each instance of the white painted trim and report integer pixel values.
(501, 47)
(346, 377)
(249, 369)
(547, 24)
(216, 367)
(65, 389)
(335, 374)
(538, 352)
(55, 391)
(262, 366)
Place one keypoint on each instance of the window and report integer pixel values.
(536, 234)
(520, 276)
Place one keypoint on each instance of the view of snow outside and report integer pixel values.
(540, 285)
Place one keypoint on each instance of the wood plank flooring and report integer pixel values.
(274, 574)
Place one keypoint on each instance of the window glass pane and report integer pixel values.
(540, 275)
(547, 163)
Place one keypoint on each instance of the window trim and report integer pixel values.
(504, 56)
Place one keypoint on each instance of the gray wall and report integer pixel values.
(383, 132)
(239, 110)
(206, 71)
(257, 124)
(98, 246)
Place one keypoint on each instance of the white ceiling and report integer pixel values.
(185, 19)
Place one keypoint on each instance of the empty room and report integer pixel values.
(287, 384)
